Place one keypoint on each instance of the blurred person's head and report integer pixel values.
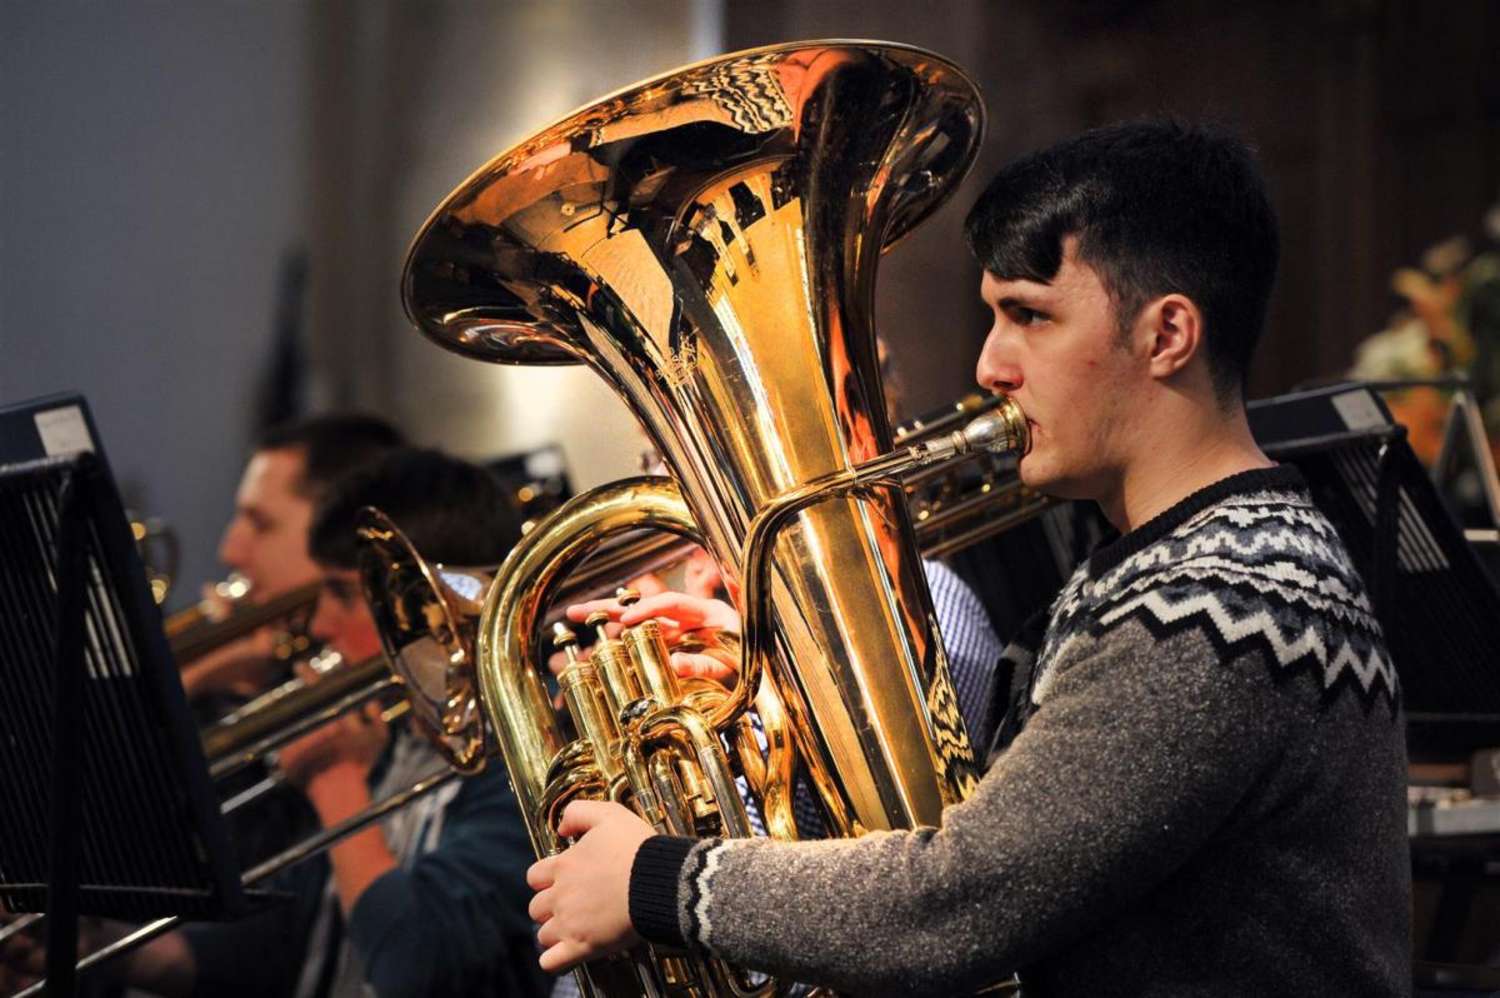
(453, 512)
(291, 468)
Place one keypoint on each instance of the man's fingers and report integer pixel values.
(582, 815)
(563, 956)
(579, 612)
(548, 935)
(688, 610)
(540, 908)
(688, 665)
(540, 875)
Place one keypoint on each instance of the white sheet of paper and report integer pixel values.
(1359, 410)
(63, 431)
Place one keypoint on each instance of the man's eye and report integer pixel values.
(340, 590)
(1023, 316)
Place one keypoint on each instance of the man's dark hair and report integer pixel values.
(453, 512)
(1157, 207)
(332, 445)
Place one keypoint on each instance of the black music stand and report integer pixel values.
(1438, 606)
(106, 807)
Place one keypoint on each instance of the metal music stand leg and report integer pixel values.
(62, 881)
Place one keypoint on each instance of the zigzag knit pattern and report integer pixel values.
(1250, 570)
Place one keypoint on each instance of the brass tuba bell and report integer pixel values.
(707, 241)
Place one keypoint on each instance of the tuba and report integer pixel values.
(706, 241)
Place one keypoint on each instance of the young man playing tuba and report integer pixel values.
(1199, 788)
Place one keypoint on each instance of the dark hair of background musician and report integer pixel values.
(1158, 206)
(453, 512)
(332, 446)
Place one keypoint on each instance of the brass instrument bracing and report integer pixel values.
(706, 241)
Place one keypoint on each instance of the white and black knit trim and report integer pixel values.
(698, 872)
(1251, 564)
(654, 876)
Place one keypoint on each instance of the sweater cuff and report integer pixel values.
(653, 888)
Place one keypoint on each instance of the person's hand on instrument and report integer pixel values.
(345, 748)
(583, 894)
(684, 618)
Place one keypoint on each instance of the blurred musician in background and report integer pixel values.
(430, 901)
(291, 467)
(1199, 787)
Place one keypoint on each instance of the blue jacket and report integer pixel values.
(453, 923)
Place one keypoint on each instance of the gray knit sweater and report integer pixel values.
(1205, 796)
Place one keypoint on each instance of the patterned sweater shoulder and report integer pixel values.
(1258, 570)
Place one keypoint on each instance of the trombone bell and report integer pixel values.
(426, 615)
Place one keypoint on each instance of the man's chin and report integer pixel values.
(1048, 482)
(1033, 475)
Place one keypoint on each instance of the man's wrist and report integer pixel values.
(655, 874)
(338, 791)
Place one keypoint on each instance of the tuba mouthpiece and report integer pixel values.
(1000, 431)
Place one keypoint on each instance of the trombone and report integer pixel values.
(192, 633)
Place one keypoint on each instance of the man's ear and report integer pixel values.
(1172, 326)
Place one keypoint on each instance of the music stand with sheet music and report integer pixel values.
(1438, 606)
(106, 807)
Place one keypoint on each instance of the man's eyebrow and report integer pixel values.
(1022, 299)
(256, 515)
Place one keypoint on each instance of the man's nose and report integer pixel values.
(320, 628)
(233, 546)
(997, 370)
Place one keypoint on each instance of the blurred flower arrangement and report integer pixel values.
(1450, 327)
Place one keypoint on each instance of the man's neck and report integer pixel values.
(1170, 466)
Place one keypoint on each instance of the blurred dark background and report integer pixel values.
(204, 205)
